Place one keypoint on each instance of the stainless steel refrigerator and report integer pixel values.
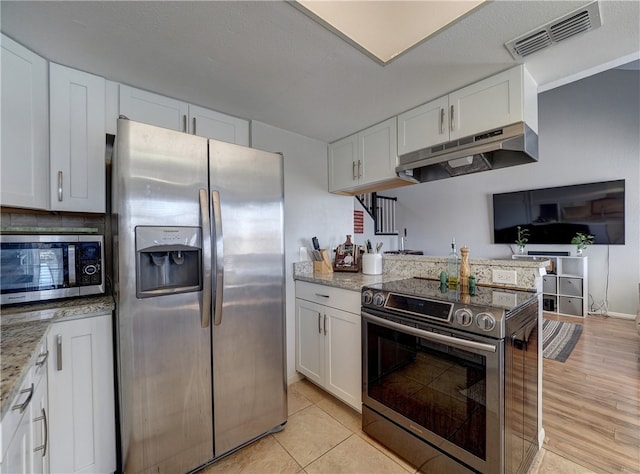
(199, 287)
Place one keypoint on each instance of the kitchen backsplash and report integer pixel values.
(26, 218)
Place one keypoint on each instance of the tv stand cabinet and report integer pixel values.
(565, 287)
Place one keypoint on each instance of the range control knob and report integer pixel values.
(378, 299)
(485, 321)
(367, 296)
(463, 317)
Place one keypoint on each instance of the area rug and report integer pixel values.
(559, 339)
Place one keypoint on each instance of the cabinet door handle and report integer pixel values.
(42, 359)
(194, 126)
(60, 186)
(321, 295)
(184, 123)
(325, 324)
(319, 324)
(59, 351)
(43, 418)
(23, 406)
(353, 169)
(441, 121)
(359, 169)
(452, 120)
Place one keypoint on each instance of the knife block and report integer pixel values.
(323, 266)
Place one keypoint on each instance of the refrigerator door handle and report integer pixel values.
(217, 222)
(205, 317)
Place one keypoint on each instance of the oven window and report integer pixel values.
(438, 387)
(31, 267)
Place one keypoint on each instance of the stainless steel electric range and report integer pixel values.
(450, 380)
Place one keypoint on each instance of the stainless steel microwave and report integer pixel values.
(44, 267)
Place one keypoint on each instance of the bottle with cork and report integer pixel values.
(453, 266)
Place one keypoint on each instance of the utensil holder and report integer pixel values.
(323, 266)
(372, 264)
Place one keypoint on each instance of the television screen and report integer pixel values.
(555, 215)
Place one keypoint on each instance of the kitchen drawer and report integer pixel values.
(569, 305)
(570, 286)
(14, 415)
(339, 298)
(549, 284)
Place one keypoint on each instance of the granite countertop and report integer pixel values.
(345, 280)
(22, 328)
(397, 267)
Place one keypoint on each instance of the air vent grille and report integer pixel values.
(571, 26)
(576, 22)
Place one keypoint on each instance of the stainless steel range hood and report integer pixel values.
(512, 145)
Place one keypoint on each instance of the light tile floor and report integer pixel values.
(324, 436)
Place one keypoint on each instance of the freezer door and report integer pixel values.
(249, 381)
(164, 353)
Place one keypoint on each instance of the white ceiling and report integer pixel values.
(267, 61)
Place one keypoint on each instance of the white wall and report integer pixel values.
(309, 209)
(589, 131)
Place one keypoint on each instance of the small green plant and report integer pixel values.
(581, 241)
(522, 237)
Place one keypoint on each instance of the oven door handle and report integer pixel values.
(452, 341)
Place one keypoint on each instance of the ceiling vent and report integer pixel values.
(583, 19)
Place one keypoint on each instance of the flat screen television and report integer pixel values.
(555, 215)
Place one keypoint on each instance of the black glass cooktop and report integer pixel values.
(431, 289)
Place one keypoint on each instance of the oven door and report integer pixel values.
(442, 385)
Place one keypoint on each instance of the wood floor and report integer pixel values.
(591, 402)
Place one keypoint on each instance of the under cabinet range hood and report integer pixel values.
(515, 144)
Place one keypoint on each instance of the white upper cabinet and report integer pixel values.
(155, 109)
(212, 124)
(343, 162)
(365, 161)
(422, 125)
(500, 100)
(492, 103)
(24, 158)
(77, 152)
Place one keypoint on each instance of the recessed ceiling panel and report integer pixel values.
(386, 29)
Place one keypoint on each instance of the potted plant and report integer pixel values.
(581, 241)
(522, 239)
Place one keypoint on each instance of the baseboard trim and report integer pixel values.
(614, 315)
(296, 377)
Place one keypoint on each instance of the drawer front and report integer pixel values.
(345, 300)
(40, 361)
(549, 284)
(569, 305)
(14, 415)
(571, 286)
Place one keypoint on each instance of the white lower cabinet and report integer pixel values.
(82, 396)
(328, 340)
(16, 427)
(24, 426)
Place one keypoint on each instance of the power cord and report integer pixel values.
(602, 309)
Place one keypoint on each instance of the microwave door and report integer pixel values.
(20, 269)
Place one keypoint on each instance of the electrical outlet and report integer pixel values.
(500, 298)
(505, 277)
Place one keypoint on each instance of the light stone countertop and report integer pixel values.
(23, 327)
(529, 272)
